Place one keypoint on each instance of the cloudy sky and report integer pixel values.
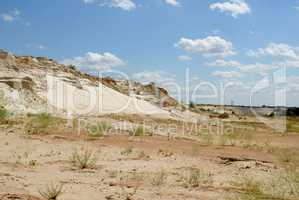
(221, 51)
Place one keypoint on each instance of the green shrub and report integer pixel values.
(138, 131)
(99, 129)
(40, 123)
(127, 151)
(3, 113)
(196, 178)
(83, 159)
(159, 179)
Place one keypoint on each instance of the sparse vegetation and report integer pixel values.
(3, 114)
(40, 123)
(159, 178)
(99, 129)
(195, 178)
(127, 151)
(251, 189)
(83, 159)
(52, 191)
(139, 131)
(32, 163)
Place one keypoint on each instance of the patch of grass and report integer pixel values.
(159, 178)
(40, 123)
(278, 187)
(292, 179)
(99, 130)
(83, 159)
(32, 163)
(195, 178)
(3, 114)
(127, 151)
(139, 131)
(287, 156)
(252, 189)
(52, 191)
(292, 124)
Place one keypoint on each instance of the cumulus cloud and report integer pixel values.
(227, 74)
(278, 50)
(95, 61)
(260, 68)
(159, 77)
(232, 7)
(209, 46)
(127, 5)
(174, 3)
(184, 58)
(225, 63)
(11, 16)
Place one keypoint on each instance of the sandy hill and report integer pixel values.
(38, 84)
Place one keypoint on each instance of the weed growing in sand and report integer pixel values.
(159, 178)
(196, 178)
(40, 123)
(32, 163)
(52, 191)
(3, 114)
(287, 156)
(83, 159)
(252, 189)
(127, 151)
(139, 131)
(100, 129)
(292, 179)
(278, 187)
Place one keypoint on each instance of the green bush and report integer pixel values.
(137, 131)
(196, 178)
(40, 123)
(83, 159)
(99, 129)
(3, 113)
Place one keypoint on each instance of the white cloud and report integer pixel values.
(184, 58)
(95, 61)
(174, 3)
(209, 46)
(127, 5)
(232, 7)
(89, 1)
(297, 8)
(42, 47)
(278, 50)
(254, 67)
(16, 12)
(11, 16)
(8, 17)
(227, 74)
(293, 83)
(224, 63)
(159, 77)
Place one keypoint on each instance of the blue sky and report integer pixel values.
(219, 41)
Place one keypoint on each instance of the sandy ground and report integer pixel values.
(128, 176)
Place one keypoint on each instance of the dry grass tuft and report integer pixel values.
(52, 191)
(83, 159)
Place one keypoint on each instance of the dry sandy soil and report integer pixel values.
(249, 163)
